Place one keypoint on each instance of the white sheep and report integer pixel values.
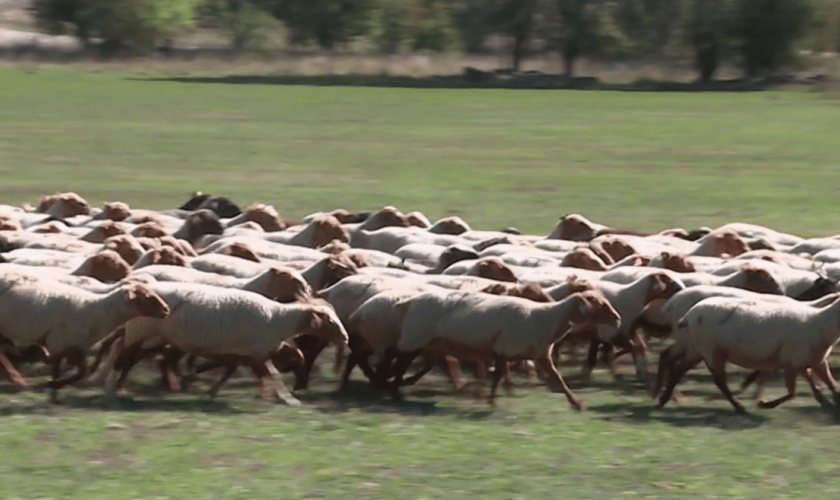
(66, 320)
(758, 335)
(481, 326)
(232, 325)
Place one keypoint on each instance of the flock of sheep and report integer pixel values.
(217, 286)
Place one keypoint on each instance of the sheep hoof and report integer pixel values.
(578, 405)
(740, 410)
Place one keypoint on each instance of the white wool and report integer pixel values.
(794, 281)
(815, 245)
(265, 249)
(35, 309)
(486, 324)
(552, 276)
(752, 231)
(790, 260)
(761, 335)
(391, 239)
(208, 320)
(260, 283)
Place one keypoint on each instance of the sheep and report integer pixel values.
(386, 217)
(801, 285)
(63, 205)
(488, 267)
(418, 219)
(316, 234)
(264, 249)
(360, 257)
(106, 266)
(629, 300)
(165, 256)
(720, 242)
(104, 231)
(504, 328)
(761, 336)
(677, 306)
(198, 224)
(391, 239)
(220, 205)
(814, 246)
(265, 216)
(149, 230)
(229, 324)
(67, 320)
(752, 231)
(450, 225)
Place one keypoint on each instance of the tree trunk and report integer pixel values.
(570, 53)
(706, 56)
(518, 50)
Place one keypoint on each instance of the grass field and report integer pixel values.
(497, 158)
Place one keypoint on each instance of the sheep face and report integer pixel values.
(203, 222)
(760, 244)
(242, 251)
(387, 217)
(594, 308)
(677, 262)
(125, 247)
(821, 287)
(104, 231)
(336, 269)
(146, 301)
(640, 261)
(450, 225)
(530, 291)
(583, 258)
(760, 280)
(343, 215)
(108, 267)
(417, 219)
(494, 269)
(52, 227)
(63, 205)
(287, 358)
(574, 227)
(148, 243)
(267, 217)
(455, 253)
(322, 323)
(149, 229)
(285, 286)
(168, 256)
(116, 211)
(326, 230)
(8, 224)
(676, 233)
(661, 286)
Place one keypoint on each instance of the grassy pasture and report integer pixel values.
(497, 158)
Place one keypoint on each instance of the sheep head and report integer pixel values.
(241, 251)
(661, 286)
(322, 322)
(286, 285)
(493, 268)
(145, 300)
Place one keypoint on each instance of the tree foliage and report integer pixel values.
(766, 31)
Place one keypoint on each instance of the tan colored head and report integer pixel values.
(455, 253)
(8, 224)
(52, 227)
(617, 247)
(450, 225)
(661, 286)
(168, 256)
(106, 266)
(387, 217)
(495, 269)
(675, 233)
(150, 229)
(322, 322)
(116, 211)
(760, 280)
(531, 291)
(592, 307)
(104, 231)
(147, 302)
(326, 229)
(287, 358)
(583, 258)
(180, 246)
(343, 215)
(266, 216)
(676, 262)
(574, 227)
(128, 248)
(417, 219)
(286, 285)
(242, 251)
(63, 205)
(336, 268)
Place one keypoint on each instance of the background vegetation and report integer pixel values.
(759, 36)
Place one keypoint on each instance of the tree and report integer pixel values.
(649, 23)
(579, 23)
(245, 21)
(767, 30)
(136, 25)
(707, 29)
(326, 22)
(516, 19)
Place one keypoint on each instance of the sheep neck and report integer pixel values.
(314, 274)
(822, 328)
(107, 313)
(551, 320)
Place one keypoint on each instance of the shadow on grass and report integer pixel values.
(681, 415)
(483, 81)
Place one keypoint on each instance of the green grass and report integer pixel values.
(497, 158)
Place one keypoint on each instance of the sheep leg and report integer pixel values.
(749, 379)
(453, 371)
(75, 357)
(230, 368)
(639, 350)
(507, 382)
(790, 383)
(556, 380)
(811, 377)
(267, 372)
(824, 372)
(311, 346)
(352, 361)
(11, 373)
(339, 358)
(169, 368)
(677, 371)
(401, 364)
(501, 369)
(125, 361)
(590, 361)
(718, 369)
(428, 364)
(104, 348)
